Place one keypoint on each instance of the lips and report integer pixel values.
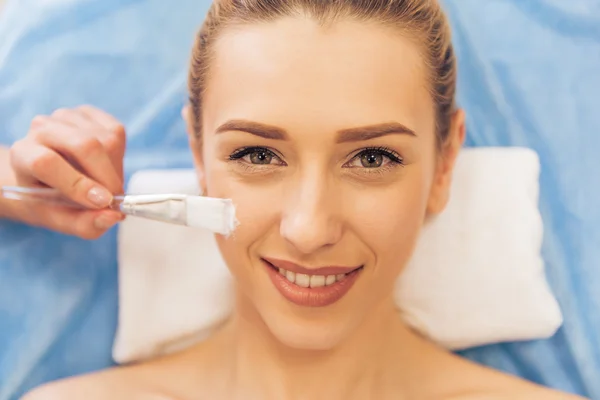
(311, 287)
(298, 269)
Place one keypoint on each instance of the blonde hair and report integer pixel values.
(422, 20)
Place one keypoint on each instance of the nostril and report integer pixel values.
(310, 225)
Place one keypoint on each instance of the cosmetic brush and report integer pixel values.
(213, 214)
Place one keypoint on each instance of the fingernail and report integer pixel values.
(99, 196)
(104, 222)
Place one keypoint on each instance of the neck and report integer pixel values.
(356, 368)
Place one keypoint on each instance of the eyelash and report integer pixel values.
(238, 154)
(394, 158)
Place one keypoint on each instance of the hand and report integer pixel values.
(79, 152)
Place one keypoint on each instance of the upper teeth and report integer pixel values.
(313, 281)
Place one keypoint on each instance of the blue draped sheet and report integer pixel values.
(528, 77)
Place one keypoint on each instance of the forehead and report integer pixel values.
(296, 73)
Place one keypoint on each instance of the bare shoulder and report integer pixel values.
(499, 386)
(143, 382)
(167, 378)
(114, 384)
(94, 386)
(471, 381)
(516, 389)
(543, 394)
(181, 376)
(536, 393)
(528, 391)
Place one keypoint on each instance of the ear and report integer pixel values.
(440, 189)
(195, 143)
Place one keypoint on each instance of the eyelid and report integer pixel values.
(393, 155)
(395, 159)
(244, 151)
(238, 155)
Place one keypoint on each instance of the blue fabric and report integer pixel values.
(58, 295)
(528, 77)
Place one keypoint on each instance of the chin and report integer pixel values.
(308, 338)
(321, 333)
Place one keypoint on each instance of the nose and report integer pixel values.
(311, 219)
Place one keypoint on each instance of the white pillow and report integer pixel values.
(477, 276)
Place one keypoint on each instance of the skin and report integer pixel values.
(78, 152)
(315, 203)
(7, 177)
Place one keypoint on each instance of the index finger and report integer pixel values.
(43, 165)
(111, 124)
(103, 118)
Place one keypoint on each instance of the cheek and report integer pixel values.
(256, 205)
(256, 212)
(390, 222)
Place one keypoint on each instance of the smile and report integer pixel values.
(313, 281)
(311, 287)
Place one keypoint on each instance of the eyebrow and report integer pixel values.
(345, 135)
(373, 131)
(254, 128)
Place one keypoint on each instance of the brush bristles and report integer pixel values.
(216, 215)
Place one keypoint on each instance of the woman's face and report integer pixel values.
(324, 137)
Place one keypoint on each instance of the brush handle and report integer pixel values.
(44, 195)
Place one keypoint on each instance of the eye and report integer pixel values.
(374, 158)
(261, 157)
(371, 159)
(256, 156)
